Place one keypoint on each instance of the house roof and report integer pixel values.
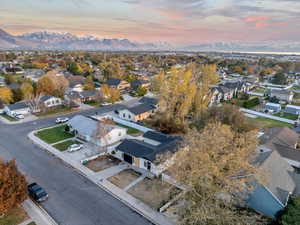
(14, 86)
(89, 93)
(273, 104)
(46, 97)
(292, 107)
(157, 136)
(287, 152)
(279, 174)
(149, 101)
(281, 92)
(141, 108)
(17, 106)
(87, 126)
(113, 82)
(279, 135)
(223, 89)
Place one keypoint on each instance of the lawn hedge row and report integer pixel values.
(251, 103)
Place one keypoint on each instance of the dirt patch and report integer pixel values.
(124, 178)
(153, 192)
(102, 163)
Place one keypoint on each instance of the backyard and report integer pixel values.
(14, 217)
(63, 146)
(261, 122)
(53, 135)
(102, 162)
(124, 178)
(130, 130)
(154, 192)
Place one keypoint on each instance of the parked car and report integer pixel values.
(61, 120)
(19, 116)
(37, 193)
(106, 103)
(75, 147)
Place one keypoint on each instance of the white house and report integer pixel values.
(292, 109)
(48, 101)
(97, 132)
(137, 113)
(273, 107)
(143, 153)
(17, 108)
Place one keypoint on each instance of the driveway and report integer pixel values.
(73, 199)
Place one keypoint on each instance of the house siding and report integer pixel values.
(262, 201)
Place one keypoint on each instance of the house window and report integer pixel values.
(120, 134)
(124, 115)
(57, 101)
(147, 165)
(129, 116)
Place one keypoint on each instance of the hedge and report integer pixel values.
(251, 103)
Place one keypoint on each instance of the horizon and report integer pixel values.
(174, 21)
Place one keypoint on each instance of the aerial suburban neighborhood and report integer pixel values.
(149, 112)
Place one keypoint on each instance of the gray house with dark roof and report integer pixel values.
(144, 153)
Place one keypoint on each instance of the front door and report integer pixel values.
(128, 158)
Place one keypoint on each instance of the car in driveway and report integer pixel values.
(106, 103)
(36, 192)
(74, 147)
(19, 116)
(62, 120)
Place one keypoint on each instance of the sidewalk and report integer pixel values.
(37, 214)
(143, 209)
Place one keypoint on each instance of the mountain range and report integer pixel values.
(65, 41)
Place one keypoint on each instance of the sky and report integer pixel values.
(173, 21)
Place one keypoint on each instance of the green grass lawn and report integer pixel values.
(53, 135)
(92, 103)
(130, 130)
(12, 119)
(56, 111)
(286, 116)
(14, 217)
(259, 90)
(63, 146)
(261, 122)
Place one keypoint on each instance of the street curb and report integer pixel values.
(97, 183)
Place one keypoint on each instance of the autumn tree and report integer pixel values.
(114, 95)
(45, 85)
(27, 90)
(215, 166)
(6, 95)
(13, 186)
(89, 83)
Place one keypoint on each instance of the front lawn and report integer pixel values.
(92, 103)
(14, 217)
(261, 122)
(130, 130)
(63, 146)
(53, 135)
(9, 118)
(288, 116)
(124, 178)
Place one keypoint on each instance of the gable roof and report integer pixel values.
(46, 97)
(149, 101)
(287, 152)
(140, 108)
(279, 173)
(157, 136)
(17, 106)
(281, 136)
(89, 93)
(113, 82)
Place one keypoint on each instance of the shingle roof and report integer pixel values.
(149, 101)
(289, 153)
(279, 175)
(46, 97)
(141, 108)
(89, 93)
(18, 105)
(113, 82)
(279, 135)
(157, 136)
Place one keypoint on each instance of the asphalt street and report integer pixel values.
(73, 199)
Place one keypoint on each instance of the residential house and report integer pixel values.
(90, 95)
(14, 86)
(136, 84)
(76, 83)
(97, 132)
(216, 96)
(149, 101)
(283, 140)
(33, 74)
(137, 113)
(46, 102)
(17, 108)
(227, 94)
(2, 82)
(292, 109)
(118, 83)
(143, 154)
(272, 107)
(272, 197)
(282, 95)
